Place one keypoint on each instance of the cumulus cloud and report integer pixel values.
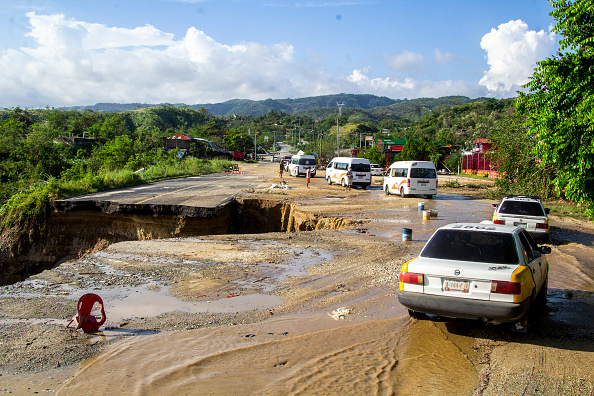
(411, 88)
(70, 62)
(441, 58)
(74, 62)
(512, 52)
(407, 61)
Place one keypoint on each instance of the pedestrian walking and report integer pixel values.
(349, 179)
(281, 169)
(307, 176)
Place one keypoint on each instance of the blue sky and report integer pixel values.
(72, 52)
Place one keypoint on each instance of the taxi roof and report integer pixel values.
(480, 227)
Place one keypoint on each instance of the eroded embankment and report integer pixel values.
(73, 231)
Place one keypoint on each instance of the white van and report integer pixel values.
(337, 168)
(300, 163)
(411, 178)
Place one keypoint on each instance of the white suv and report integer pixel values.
(476, 271)
(523, 211)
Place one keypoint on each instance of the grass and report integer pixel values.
(33, 203)
(567, 209)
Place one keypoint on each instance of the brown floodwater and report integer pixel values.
(298, 355)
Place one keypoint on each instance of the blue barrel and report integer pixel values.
(421, 205)
(407, 234)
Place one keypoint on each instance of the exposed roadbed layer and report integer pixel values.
(330, 282)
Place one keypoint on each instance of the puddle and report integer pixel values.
(450, 209)
(122, 304)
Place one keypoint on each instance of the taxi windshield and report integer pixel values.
(479, 246)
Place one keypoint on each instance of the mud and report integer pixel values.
(292, 312)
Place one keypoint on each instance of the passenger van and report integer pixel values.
(300, 163)
(411, 178)
(337, 168)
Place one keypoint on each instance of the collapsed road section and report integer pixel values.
(205, 205)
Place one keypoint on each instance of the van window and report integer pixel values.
(399, 172)
(361, 167)
(329, 165)
(341, 166)
(425, 173)
(307, 161)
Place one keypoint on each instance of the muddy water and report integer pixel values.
(287, 356)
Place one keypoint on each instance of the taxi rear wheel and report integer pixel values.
(540, 301)
(416, 315)
(402, 194)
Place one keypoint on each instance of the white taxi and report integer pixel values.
(523, 211)
(477, 271)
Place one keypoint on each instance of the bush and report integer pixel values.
(452, 183)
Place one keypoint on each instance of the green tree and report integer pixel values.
(422, 150)
(513, 157)
(374, 155)
(560, 103)
(238, 141)
(114, 154)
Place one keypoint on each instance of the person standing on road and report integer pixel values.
(281, 169)
(307, 176)
(349, 179)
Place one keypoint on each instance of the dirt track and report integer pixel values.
(307, 312)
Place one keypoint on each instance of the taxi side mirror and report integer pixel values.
(545, 249)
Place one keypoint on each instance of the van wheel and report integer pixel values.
(387, 189)
(429, 196)
(402, 194)
(343, 182)
(329, 181)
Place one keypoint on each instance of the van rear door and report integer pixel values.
(423, 180)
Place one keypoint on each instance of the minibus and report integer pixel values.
(411, 178)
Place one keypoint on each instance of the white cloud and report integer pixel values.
(441, 58)
(407, 61)
(74, 62)
(412, 88)
(512, 53)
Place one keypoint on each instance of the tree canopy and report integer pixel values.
(559, 104)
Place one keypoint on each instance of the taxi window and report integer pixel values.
(527, 246)
(479, 246)
(522, 208)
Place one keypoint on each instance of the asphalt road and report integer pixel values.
(206, 191)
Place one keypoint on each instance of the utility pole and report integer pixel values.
(255, 145)
(338, 129)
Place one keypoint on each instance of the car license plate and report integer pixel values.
(456, 285)
(522, 225)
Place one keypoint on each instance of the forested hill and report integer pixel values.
(399, 107)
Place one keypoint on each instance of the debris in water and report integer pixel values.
(340, 313)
